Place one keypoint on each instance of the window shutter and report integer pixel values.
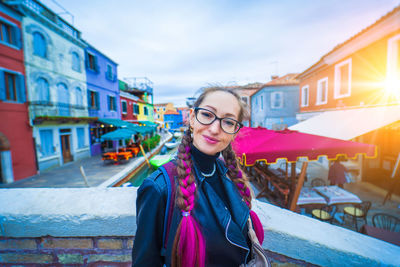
(21, 94)
(2, 86)
(88, 99)
(17, 36)
(97, 100)
(86, 60)
(96, 66)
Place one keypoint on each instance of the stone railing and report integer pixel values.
(87, 226)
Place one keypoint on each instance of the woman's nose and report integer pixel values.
(214, 127)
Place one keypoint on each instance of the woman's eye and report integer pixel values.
(229, 123)
(206, 114)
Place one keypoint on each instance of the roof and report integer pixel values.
(349, 124)
(387, 15)
(288, 79)
(171, 112)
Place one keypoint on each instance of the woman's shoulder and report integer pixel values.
(155, 182)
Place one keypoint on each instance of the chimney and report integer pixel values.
(273, 77)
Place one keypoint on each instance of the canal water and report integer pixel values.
(137, 179)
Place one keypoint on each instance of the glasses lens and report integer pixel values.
(229, 125)
(205, 116)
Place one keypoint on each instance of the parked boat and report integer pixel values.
(171, 145)
(177, 134)
(159, 160)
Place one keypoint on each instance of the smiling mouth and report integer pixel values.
(210, 139)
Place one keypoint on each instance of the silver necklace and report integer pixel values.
(209, 174)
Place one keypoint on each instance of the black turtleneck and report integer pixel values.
(206, 164)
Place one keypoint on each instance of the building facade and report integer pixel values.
(17, 153)
(275, 105)
(173, 119)
(103, 98)
(56, 83)
(353, 93)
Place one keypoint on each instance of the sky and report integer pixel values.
(182, 46)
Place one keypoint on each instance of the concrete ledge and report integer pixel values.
(68, 212)
(86, 212)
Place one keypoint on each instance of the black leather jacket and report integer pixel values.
(225, 233)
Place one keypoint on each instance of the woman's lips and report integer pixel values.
(210, 139)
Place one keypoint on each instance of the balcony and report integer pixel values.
(44, 12)
(56, 109)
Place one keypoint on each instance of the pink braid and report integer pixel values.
(190, 243)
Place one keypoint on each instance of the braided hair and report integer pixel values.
(189, 244)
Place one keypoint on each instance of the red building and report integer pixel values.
(129, 106)
(17, 152)
(353, 93)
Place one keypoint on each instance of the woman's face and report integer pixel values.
(211, 139)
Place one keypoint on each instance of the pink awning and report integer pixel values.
(253, 144)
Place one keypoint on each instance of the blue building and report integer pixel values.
(102, 93)
(275, 105)
(173, 119)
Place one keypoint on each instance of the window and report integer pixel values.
(276, 99)
(109, 73)
(78, 96)
(304, 96)
(135, 109)
(39, 45)
(76, 64)
(124, 106)
(322, 91)
(262, 102)
(393, 63)
(80, 133)
(42, 90)
(91, 62)
(244, 99)
(93, 99)
(343, 79)
(11, 86)
(46, 141)
(146, 111)
(6, 33)
(111, 103)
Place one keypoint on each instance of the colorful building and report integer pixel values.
(56, 85)
(185, 112)
(103, 98)
(17, 152)
(353, 93)
(142, 89)
(173, 119)
(160, 110)
(275, 105)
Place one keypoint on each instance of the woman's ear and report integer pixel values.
(191, 118)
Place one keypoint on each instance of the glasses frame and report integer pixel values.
(196, 111)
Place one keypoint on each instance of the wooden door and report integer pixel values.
(66, 148)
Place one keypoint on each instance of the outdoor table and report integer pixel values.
(336, 195)
(109, 156)
(309, 196)
(382, 234)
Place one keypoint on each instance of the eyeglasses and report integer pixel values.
(206, 117)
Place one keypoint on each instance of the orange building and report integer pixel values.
(353, 92)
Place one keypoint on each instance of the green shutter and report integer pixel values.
(2, 86)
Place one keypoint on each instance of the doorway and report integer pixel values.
(66, 148)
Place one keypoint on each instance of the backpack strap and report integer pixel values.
(169, 172)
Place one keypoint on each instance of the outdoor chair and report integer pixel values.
(325, 213)
(317, 182)
(386, 221)
(357, 212)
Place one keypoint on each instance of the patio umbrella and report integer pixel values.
(260, 144)
(119, 134)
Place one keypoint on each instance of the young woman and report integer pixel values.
(213, 201)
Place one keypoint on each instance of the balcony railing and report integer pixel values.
(45, 12)
(48, 108)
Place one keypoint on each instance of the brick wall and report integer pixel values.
(57, 251)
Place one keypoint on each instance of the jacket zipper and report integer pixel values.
(226, 236)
